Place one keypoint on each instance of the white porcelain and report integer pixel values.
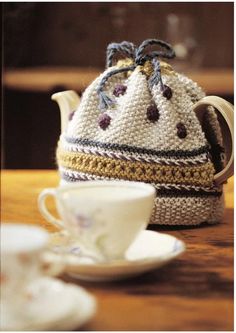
(51, 305)
(104, 216)
(22, 261)
(149, 251)
(21, 249)
(68, 102)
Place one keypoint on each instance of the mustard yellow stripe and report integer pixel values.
(147, 68)
(135, 170)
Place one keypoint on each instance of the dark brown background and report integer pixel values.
(76, 34)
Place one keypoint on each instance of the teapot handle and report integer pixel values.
(226, 121)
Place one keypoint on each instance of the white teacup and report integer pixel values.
(104, 216)
(22, 261)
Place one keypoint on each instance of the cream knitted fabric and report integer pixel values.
(148, 135)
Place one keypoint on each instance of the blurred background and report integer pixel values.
(50, 47)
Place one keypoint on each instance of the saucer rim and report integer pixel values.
(113, 270)
(126, 262)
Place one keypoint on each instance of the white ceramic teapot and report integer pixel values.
(142, 121)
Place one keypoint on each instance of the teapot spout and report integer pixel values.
(68, 102)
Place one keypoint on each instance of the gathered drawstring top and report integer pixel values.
(138, 57)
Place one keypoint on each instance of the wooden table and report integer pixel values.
(194, 292)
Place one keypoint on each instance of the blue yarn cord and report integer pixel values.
(104, 100)
(156, 76)
(128, 49)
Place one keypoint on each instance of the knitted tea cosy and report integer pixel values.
(136, 122)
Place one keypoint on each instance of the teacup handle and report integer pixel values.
(43, 209)
(227, 128)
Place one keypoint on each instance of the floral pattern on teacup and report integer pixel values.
(84, 221)
(24, 258)
(75, 250)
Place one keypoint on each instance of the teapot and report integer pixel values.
(68, 101)
(142, 121)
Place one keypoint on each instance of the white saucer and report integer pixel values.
(149, 251)
(52, 305)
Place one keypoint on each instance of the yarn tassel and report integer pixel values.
(139, 57)
(156, 76)
(105, 101)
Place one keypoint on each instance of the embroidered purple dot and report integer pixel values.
(71, 115)
(167, 92)
(104, 121)
(152, 113)
(181, 130)
(120, 89)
